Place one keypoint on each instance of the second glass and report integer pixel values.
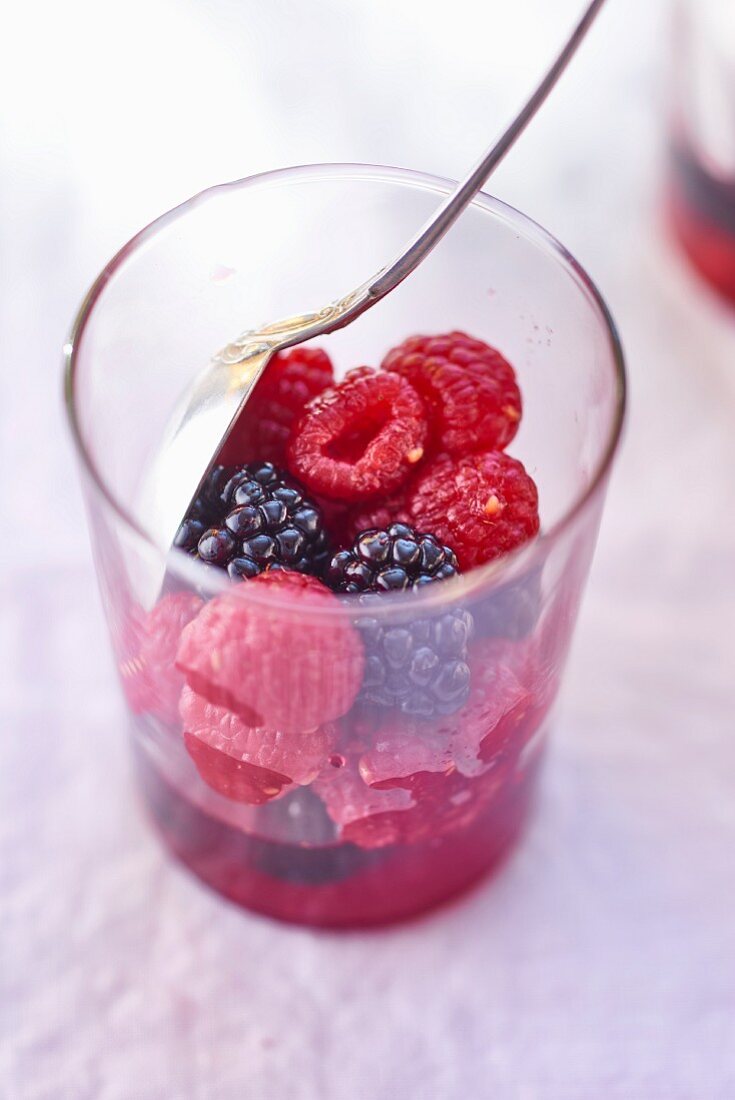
(283, 793)
(702, 139)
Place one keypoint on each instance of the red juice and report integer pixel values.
(342, 884)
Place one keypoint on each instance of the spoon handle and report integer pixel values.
(226, 384)
(343, 312)
(430, 235)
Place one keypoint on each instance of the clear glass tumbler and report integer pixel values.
(275, 786)
(702, 138)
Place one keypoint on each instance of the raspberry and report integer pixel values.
(246, 764)
(526, 663)
(483, 505)
(496, 722)
(151, 680)
(403, 749)
(443, 803)
(469, 389)
(365, 817)
(258, 520)
(290, 381)
(538, 660)
(360, 438)
(421, 808)
(233, 778)
(274, 652)
(451, 768)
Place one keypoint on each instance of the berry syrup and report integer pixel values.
(339, 883)
(702, 212)
(373, 818)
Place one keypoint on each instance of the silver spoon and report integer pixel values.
(227, 382)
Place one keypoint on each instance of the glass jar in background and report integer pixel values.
(283, 794)
(702, 143)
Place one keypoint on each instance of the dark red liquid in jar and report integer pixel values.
(343, 885)
(702, 213)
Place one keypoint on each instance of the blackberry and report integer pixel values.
(419, 666)
(250, 518)
(391, 560)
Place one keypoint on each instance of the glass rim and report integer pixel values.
(493, 573)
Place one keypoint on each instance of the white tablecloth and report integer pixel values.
(601, 961)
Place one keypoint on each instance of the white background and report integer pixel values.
(601, 962)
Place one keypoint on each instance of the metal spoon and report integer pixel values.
(227, 382)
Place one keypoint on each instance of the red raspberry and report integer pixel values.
(365, 817)
(246, 764)
(274, 651)
(453, 767)
(404, 748)
(235, 779)
(483, 506)
(469, 389)
(499, 718)
(151, 680)
(444, 802)
(361, 438)
(419, 808)
(528, 663)
(262, 430)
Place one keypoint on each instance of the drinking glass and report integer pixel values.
(276, 786)
(702, 138)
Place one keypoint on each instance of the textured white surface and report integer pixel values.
(601, 962)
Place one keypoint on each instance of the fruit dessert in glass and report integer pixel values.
(702, 141)
(340, 662)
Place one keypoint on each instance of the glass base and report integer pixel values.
(339, 885)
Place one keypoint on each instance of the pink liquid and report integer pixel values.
(342, 885)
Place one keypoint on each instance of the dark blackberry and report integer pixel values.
(391, 560)
(250, 518)
(419, 666)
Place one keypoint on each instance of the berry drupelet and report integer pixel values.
(419, 665)
(250, 518)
